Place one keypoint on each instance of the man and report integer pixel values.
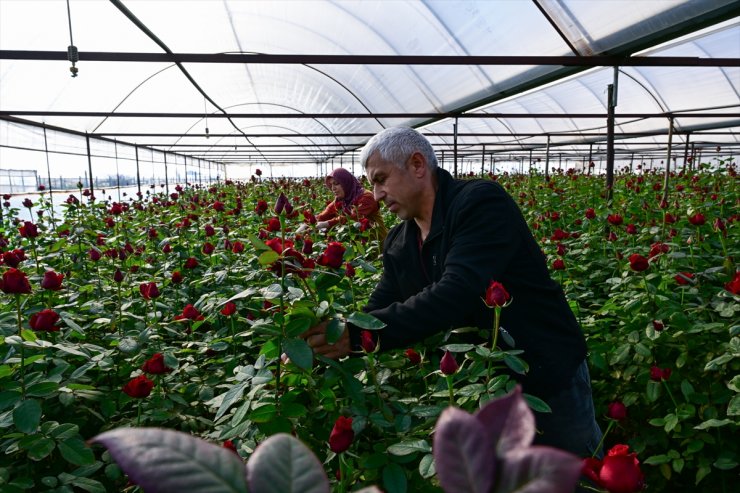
(456, 237)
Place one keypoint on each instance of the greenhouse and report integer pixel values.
(185, 199)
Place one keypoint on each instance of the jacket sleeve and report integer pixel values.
(485, 238)
(366, 205)
(329, 214)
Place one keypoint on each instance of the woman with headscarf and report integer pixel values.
(351, 200)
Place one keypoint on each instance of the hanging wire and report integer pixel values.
(72, 54)
(205, 114)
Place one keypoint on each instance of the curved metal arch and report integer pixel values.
(457, 45)
(330, 133)
(131, 92)
(331, 42)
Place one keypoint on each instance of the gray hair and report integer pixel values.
(396, 145)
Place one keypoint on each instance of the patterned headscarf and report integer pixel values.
(351, 186)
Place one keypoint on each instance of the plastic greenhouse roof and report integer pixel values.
(309, 107)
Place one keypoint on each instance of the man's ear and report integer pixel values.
(418, 164)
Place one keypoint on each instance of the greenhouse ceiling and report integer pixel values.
(307, 81)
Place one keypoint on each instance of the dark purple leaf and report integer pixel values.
(508, 421)
(463, 455)
(167, 461)
(282, 464)
(538, 469)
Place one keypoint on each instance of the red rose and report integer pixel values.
(657, 374)
(155, 365)
(118, 276)
(44, 321)
(307, 246)
(697, 219)
(366, 341)
(283, 204)
(228, 444)
(448, 365)
(229, 309)
(176, 277)
(658, 325)
(52, 280)
(14, 282)
(28, 230)
(631, 229)
(332, 256)
(191, 313)
(237, 247)
(590, 213)
(683, 278)
(209, 230)
(191, 263)
(258, 172)
(273, 224)
(413, 356)
(349, 270)
(734, 285)
(12, 258)
(208, 248)
(342, 435)
(94, 254)
(614, 219)
(658, 248)
(149, 290)
(496, 295)
(562, 249)
(638, 263)
(558, 264)
(620, 471)
(139, 387)
(261, 207)
(617, 411)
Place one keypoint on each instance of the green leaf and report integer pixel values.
(409, 447)
(365, 321)
(5, 370)
(297, 326)
(713, 423)
(458, 348)
(283, 464)
(41, 448)
(272, 292)
(29, 335)
(516, 364)
(426, 466)
(716, 363)
(65, 431)
(334, 330)
(173, 462)
(733, 408)
(89, 485)
(653, 390)
(657, 459)
(268, 257)
(76, 452)
(725, 462)
(263, 414)
(537, 404)
(394, 479)
(299, 352)
(27, 416)
(42, 389)
(232, 395)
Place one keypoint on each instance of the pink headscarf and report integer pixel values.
(351, 186)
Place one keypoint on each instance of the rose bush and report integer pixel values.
(218, 373)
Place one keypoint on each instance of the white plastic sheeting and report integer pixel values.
(368, 27)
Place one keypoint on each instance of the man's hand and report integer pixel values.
(316, 339)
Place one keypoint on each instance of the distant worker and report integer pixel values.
(351, 201)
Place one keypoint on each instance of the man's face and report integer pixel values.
(398, 188)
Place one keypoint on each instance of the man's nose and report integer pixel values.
(378, 193)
